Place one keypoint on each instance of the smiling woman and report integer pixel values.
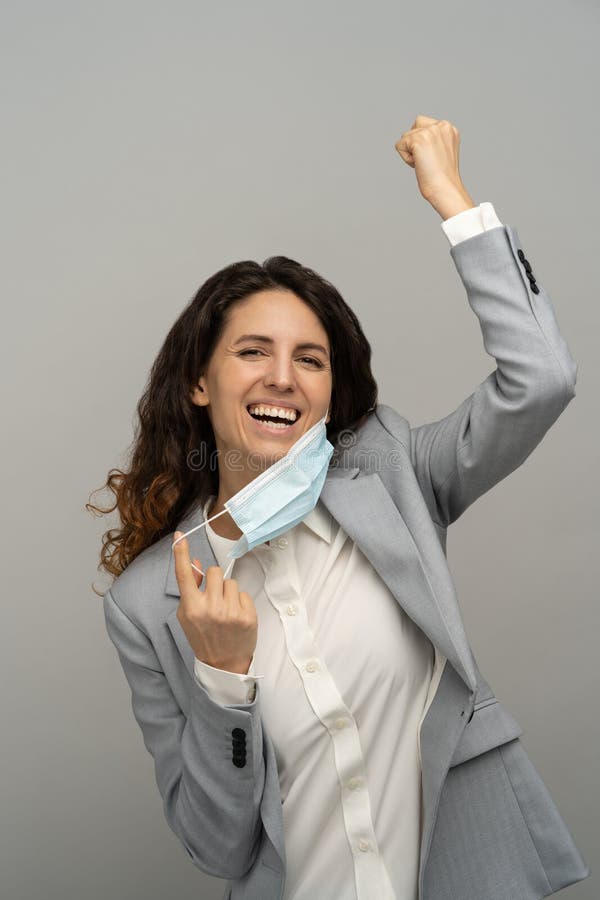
(256, 344)
(319, 724)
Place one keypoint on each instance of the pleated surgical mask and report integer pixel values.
(280, 497)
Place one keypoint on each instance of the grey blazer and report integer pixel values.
(491, 830)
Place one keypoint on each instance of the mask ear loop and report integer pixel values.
(195, 528)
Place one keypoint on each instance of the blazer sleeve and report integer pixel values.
(212, 805)
(461, 456)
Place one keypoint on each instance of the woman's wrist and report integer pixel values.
(451, 200)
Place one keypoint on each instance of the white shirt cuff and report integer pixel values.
(226, 687)
(470, 222)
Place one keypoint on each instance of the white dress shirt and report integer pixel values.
(347, 678)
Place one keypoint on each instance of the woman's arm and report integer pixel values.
(494, 430)
(211, 805)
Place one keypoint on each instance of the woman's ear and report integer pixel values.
(199, 394)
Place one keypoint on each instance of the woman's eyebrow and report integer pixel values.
(306, 345)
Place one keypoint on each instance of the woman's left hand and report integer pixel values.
(431, 147)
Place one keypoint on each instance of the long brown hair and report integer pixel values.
(162, 485)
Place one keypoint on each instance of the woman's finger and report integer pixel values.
(197, 570)
(183, 566)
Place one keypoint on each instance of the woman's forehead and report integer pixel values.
(278, 316)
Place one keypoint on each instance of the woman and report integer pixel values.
(318, 723)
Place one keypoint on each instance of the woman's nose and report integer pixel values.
(281, 374)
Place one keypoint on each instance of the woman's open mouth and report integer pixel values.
(271, 420)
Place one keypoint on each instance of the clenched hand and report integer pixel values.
(219, 622)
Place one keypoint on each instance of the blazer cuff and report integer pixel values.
(470, 222)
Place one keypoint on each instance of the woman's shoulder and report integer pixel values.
(140, 586)
(379, 442)
(382, 425)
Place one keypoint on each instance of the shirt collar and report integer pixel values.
(220, 545)
(319, 521)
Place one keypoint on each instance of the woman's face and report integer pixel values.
(273, 352)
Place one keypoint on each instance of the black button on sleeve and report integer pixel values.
(528, 271)
(238, 745)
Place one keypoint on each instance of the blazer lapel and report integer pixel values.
(367, 513)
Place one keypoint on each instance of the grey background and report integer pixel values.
(145, 145)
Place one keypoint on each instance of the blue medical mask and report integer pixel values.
(279, 497)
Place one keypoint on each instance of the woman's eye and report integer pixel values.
(315, 362)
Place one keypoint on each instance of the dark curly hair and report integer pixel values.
(161, 487)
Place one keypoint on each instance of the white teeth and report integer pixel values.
(289, 414)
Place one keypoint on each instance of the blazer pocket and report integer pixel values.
(491, 725)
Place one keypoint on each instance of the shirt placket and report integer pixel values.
(283, 589)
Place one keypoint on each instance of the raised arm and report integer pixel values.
(461, 456)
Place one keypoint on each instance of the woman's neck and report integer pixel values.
(224, 525)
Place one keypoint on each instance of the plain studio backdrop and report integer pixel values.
(146, 145)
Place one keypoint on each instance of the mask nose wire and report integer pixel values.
(195, 528)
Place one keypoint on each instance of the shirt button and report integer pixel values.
(291, 610)
(312, 666)
(354, 783)
(340, 723)
(282, 543)
(364, 845)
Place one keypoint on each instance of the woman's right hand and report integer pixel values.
(219, 622)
